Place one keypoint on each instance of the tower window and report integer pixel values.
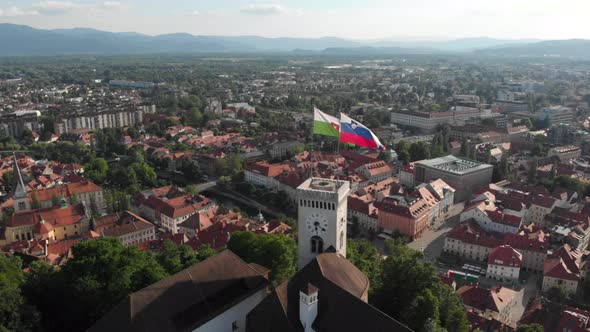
(317, 245)
(341, 239)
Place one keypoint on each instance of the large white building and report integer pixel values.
(428, 121)
(322, 213)
(90, 120)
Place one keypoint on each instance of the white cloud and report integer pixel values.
(264, 9)
(115, 5)
(14, 11)
(195, 13)
(56, 7)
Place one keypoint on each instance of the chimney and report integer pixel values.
(308, 306)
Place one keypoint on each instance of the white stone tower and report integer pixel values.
(322, 212)
(20, 196)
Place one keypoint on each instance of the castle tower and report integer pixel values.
(20, 196)
(322, 216)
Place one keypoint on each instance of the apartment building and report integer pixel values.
(103, 117)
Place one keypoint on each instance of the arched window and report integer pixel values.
(317, 245)
(341, 238)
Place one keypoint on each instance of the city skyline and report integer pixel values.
(356, 20)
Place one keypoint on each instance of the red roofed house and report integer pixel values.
(263, 174)
(57, 223)
(404, 214)
(491, 217)
(469, 240)
(376, 171)
(562, 269)
(130, 229)
(496, 303)
(504, 264)
(541, 206)
(407, 174)
(172, 212)
(555, 317)
(364, 211)
(87, 192)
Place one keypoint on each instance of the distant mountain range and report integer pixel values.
(25, 40)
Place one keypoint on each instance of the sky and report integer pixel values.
(351, 19)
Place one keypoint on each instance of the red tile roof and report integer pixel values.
(268, 170)
(505, 256)
(486, 299)
(54, 215)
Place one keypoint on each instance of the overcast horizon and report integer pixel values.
(421, 20)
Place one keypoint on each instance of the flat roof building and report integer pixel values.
(557, 114)
(465, 175)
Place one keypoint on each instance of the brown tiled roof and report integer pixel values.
(562, 264)
(66, 190)
(128, 223)
(416, 209)
(341, 287)
(482, 299)
(188, 299)
(266, 169)
(177, 206)
(555, 317)
(470, 232)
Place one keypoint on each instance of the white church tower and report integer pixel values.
(20, 196)
(322, 212)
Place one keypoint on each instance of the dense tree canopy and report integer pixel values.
(276, 252)
(175, 258)
(100, 274)
(411, 292)
(96, 170)
(15, 313)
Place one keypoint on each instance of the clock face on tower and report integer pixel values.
(316, 224)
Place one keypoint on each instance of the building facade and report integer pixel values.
(463, 175)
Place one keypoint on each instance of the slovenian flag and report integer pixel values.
(354, 132)
(324, 124)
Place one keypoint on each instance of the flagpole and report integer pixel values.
(311, 154)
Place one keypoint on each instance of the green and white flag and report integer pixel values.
(324, 124)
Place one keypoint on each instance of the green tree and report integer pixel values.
(364, 255)
(532, 175)
(41, 285)
(419, 151)
(175, 258)
(15, 313)
(556, 293)
(96, 170)
(204, 252)
(101, 273)
(424, 311)
(403, 151)
(276, 252)
(405, 278)
(530, 328)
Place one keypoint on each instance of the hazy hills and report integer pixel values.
(25, 40)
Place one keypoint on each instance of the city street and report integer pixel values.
(432, 241)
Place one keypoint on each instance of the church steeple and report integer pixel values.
(20, 196)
